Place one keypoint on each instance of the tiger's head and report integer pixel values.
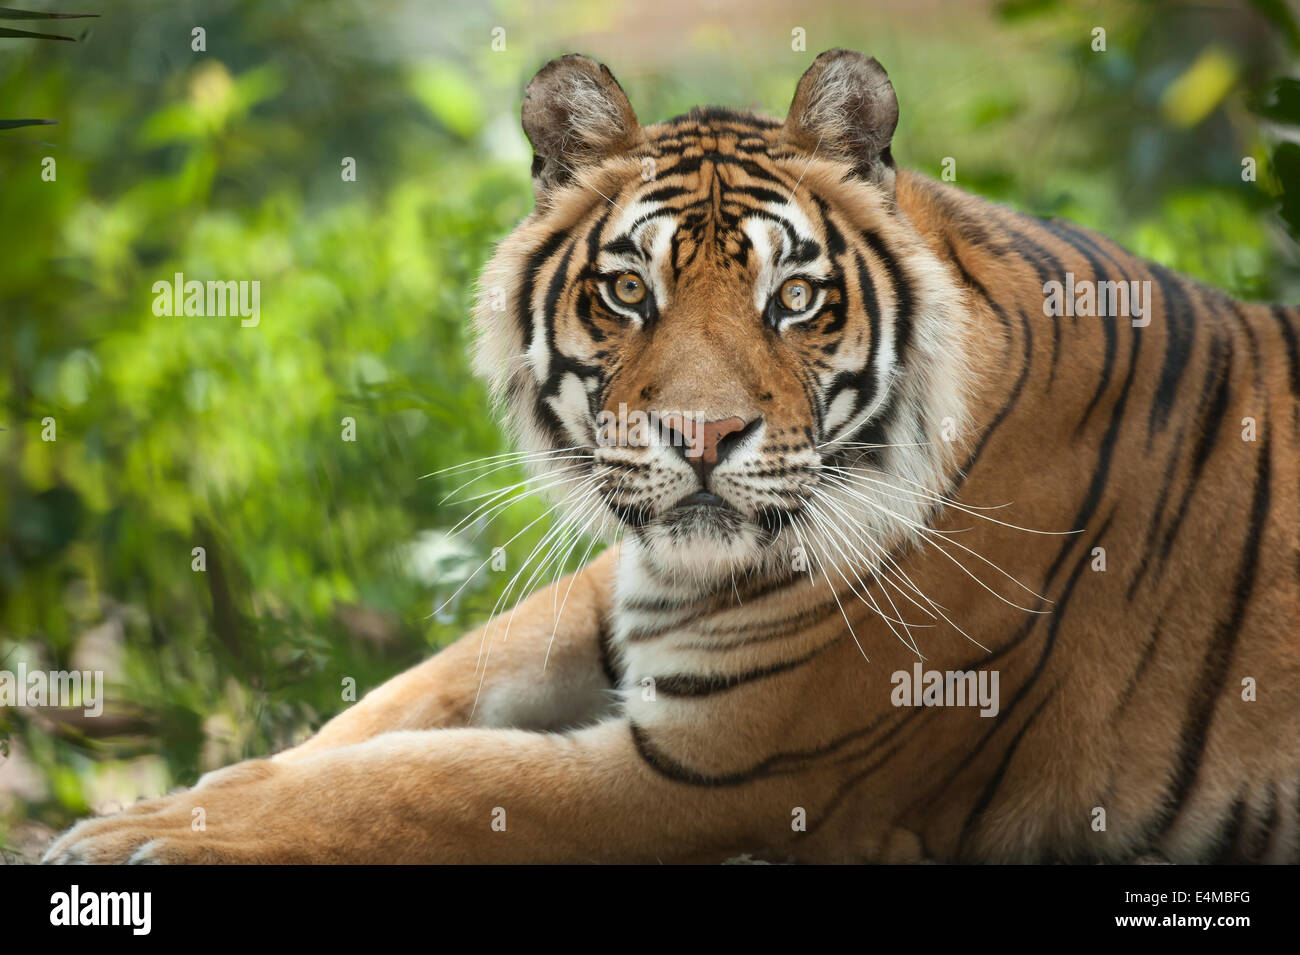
(721, 332)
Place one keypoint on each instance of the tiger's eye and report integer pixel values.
(629, 288)
(796, 295)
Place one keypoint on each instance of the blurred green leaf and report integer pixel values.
(1286, 165)
(1280, 101)
(1280, 15)
(11, 32)
(9, 13)
(450, 96)
(1200, 89)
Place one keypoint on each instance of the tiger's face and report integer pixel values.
(713, 330)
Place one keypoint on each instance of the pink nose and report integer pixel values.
(709, 434)
(703, 443)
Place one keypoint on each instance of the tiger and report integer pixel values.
(908, 560)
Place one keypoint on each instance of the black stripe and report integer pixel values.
(623, 245)
(1049, 644)
(604, 643)
(1017, 388)
(1179, 345)
(698, 685)
(1255, 845)
(593, 235)
(863, 380)
(778, 763)
(867, 289)
(768, 631)
(1244, 320)
(904, 299)
(679, 772)
(543, 418)
(991, 787)
(720, 117)
(828, 810)
(1157, 513)
(835, 244)
(1213, 672)
(757, 193)
(1229, 838)
(559, 363)
(707, 603)
(1214, 410)
(554, 289)
(1080, 243)
(524, 303)
(1043, 262)
(658, 213)
(1056, 353)
(1148, 653)
(692, 164)
(903, 295)
(1286, 319)
(660, 604)
(663, 194)
(1046, 265)
(1105, 454)
(750, 212)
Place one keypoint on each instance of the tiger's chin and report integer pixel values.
(708, 542)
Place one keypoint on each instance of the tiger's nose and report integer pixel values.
(705, 444)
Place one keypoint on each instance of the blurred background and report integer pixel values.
(326, 558)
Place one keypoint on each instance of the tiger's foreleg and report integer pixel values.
(452, 795)
(521, 669)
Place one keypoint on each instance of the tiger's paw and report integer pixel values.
(212, 823)
(121, 839)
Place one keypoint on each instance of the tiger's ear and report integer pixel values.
(845, 108)
(575, 114)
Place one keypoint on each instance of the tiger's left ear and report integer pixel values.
(845, 108)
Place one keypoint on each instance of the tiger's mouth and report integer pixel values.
(706, 515)
(730, 508)
(722, 495)
(703, 499)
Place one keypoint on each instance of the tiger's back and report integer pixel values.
(1175, 611)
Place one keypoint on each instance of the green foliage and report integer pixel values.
(1280, 103)
(325, 557)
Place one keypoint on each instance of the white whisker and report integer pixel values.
(492, 459)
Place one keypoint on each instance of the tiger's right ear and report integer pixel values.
(575, 114)
(845, 108)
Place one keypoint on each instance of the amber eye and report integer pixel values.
(796, 295)
(629, 288)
